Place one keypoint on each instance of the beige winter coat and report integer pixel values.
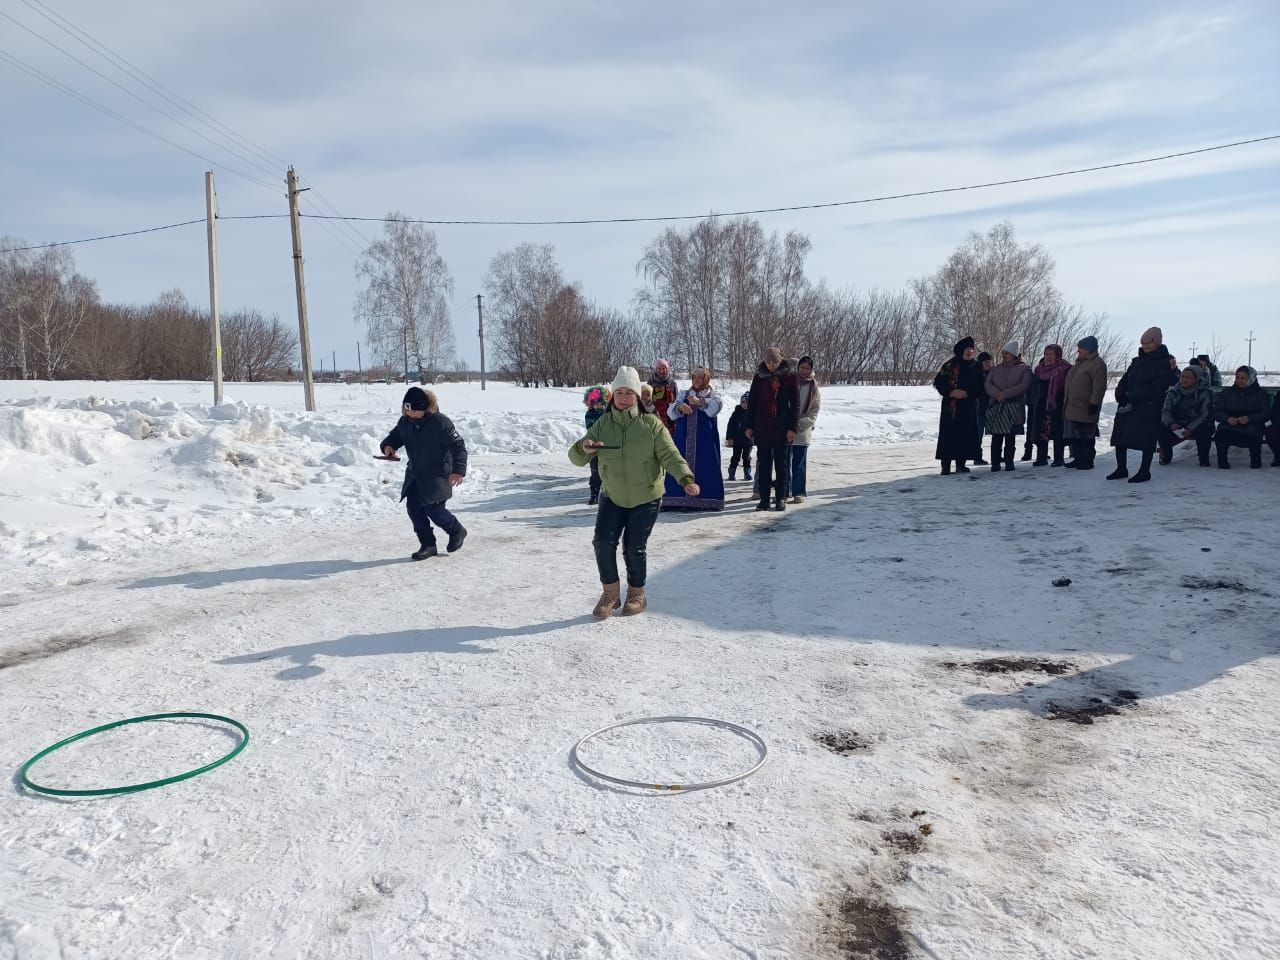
(810, 404)
(1086, 386)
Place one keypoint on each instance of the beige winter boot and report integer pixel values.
(636, 602)
(608, 602)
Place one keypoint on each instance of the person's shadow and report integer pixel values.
(298, 570)
(469, 639)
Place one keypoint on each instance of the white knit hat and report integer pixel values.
(1013, 348)
(628, 378)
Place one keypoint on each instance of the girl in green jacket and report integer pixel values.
(633, 450)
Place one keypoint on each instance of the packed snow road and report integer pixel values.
(897, 641)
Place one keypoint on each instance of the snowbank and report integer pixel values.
(92, 470)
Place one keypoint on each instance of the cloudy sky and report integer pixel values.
(577, 109)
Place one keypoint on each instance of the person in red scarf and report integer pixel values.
(1045, 424)
(664, 391)
(773, 416)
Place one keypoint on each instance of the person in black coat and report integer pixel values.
(1241, 411)
(1140, 398)
(773, 416)
(959, 383)
(1273, 431)
(437, 464)
(735, 435)
(986, 362)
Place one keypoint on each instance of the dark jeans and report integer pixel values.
(1202, 435)
(631, 525)
(595, 476)
(425, 514)
(773, 469)
(742, 454)
(799, 471)
(1003, 446)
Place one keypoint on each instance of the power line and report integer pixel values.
(814, 206)
(257, 164)
(811, 206)
(142, 77)
(88, 101)
(109, 236)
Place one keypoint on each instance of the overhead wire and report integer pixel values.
(109, 236)
(141, 76)
(256, 164)
(90, 102)
(760, 210)
(818, 206)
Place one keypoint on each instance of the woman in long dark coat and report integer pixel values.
(1140, 399)
(959, 383)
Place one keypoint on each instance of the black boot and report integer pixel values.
(1042, 454)
(1057, 454)
(995, 454)
(1009, 447)
(595, 497)
(425, 551)
(1122, 465)
(1026, 450)
(961, 468)
(1144, 469)
(456, 538)
(1075, 456)
(946, 468)
(1255, 458)
(763, 505)
(1090, 454)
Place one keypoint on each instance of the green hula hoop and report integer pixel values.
(133, 787)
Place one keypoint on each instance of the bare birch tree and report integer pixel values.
(405, 303)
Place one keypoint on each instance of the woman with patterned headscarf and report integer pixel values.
(958, 383)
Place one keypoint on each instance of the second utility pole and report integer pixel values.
(304, 333)
(480, 314)
(215, 323)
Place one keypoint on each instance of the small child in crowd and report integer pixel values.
(596, 400)
(736, 437)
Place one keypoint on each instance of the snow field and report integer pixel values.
(408, 790)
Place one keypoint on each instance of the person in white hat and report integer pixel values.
(1007, 386)
(633, 449)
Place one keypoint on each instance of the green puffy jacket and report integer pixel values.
(632, 474)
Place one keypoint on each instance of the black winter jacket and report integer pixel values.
(1250, 402)
(735, 433)
(1140, 396)
(435, 450)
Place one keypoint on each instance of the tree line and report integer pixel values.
(715, 293)
(53, 325)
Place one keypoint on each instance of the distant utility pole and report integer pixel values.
(480, 314)
(304, 333)
(1193, 351)
(1250, 342)
(359, 361)
(215, 323)
(334, 355)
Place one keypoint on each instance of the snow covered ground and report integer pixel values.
(407, 791)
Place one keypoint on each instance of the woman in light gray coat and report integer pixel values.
(810, 404)
(1007, 386)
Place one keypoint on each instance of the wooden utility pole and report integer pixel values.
(304, 333)
(480, 314)
(334, 355)
(215, 323)
(1250, 342)
(359, 362)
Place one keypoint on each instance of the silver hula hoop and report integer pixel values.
(750, 735)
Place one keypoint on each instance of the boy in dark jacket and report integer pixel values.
(773, 416)
(735, 436)
(597, 400)
(437, 464)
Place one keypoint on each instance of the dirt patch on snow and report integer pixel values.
(843, 742)
(52, 646)
(1095, 707)
(1054, 668)
(1218, 583)
(867, 928)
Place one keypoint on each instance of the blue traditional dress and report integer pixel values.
(697, 437)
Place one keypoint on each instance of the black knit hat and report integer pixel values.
(415, 398)
(983, 357)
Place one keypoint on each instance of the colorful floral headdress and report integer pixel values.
(597, 394)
